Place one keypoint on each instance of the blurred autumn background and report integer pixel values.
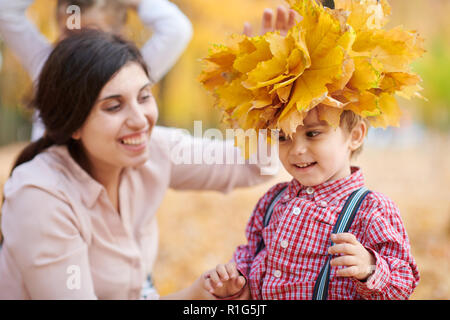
(200, 230)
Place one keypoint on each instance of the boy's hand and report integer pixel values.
(359, 262)
(283, 22)
(223, 281)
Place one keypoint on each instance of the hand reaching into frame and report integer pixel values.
(284, 20)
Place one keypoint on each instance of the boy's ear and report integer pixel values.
(357, 135)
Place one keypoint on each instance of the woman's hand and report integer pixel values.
(284, 20)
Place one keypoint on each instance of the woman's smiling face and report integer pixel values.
(117, 131)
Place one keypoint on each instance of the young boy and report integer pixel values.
(370, 261)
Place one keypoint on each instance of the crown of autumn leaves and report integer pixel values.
(333, 60)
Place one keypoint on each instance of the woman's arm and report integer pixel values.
(172, 33)
(44, 241)
(205, 164)
(22, 36)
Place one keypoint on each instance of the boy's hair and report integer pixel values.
(348, 121)
(328, 3)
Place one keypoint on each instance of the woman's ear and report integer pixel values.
(357, 135)
(76, 135)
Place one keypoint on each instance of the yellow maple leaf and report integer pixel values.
(367, 74)
(331, 115)
(333, 60)
(395, 82)
(365, 14)
(390, 112)
(363, 103)
(251, 52)
(396, 49)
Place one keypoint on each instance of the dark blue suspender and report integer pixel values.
(267, 217)
(343, 224)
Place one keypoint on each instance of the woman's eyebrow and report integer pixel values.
(149, 84)
(116, 96)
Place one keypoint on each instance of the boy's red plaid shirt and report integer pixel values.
(298, 236)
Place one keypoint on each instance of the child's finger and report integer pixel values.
(292, 18)
(344, 237)
(222, 272)
(208, 286)
(267, 21)
(232, 270)
(344, 261)
(240, 282)
(237, 284)
(247, 29)
(281, 19)
(215, 281)
(343, 248)
(347, 272)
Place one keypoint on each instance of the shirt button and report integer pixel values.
(323, 203)
(296, 211)
(284, 244)
(309, 190)
(286, 197)
(277, 274)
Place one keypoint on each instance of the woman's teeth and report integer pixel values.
(133, 141)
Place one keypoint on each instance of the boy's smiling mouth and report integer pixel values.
(304, 165)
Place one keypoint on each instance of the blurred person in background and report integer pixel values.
(172, 32)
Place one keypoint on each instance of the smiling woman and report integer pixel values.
(117, 131)
(86, 64)
(79, 208)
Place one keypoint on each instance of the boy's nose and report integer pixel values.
(298, 147)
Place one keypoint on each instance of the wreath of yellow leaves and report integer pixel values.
(333, 59)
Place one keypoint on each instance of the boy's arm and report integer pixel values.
(396, 273)
(22, 36)
(172, 32)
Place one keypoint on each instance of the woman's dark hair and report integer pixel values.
(70, 83)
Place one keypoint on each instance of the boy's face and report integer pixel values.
(317, 152)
